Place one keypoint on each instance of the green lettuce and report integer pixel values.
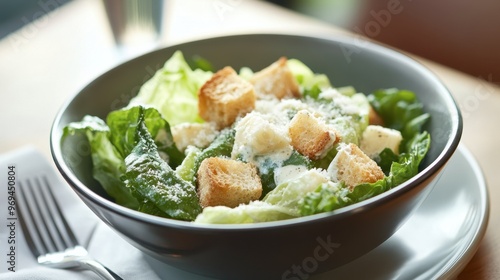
(112, 142)
(327, 197)
(170, 96)
(289, 194)
(400, 110)
(108, 165)
(173, 90)
(123, 125)
(254, 212)
(311, 84)
(187, 170)
(154, 183)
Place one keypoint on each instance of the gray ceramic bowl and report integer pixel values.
(274, 250)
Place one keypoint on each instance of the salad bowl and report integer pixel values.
(287, 249)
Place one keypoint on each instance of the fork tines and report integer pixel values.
(44, 226)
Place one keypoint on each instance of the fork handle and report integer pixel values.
(103, 272)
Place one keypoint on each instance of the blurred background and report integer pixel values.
(14, 14)
(461, 34)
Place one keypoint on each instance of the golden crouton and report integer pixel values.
(227, 182)
(224, 97)
(310, 136)
(374, 118)
(277, 80)
(354, 167)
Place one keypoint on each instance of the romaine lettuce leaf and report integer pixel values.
(123, 125)
(408, 164)
(254, 212)
(198, 62)
(173, 90)
(400, 110)
(187, 169)
(289, 194)
(108, 164)
(311, 84)
(155, 183)
(327, 197)
(385, 159)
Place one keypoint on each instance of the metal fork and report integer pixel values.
(47, 232)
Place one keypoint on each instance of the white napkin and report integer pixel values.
(100, 240)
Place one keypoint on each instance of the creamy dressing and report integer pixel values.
(260, 134)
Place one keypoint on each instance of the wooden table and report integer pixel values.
(46, 62)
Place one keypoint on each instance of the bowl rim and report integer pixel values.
(365, 44)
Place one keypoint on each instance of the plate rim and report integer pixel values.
(456, 265)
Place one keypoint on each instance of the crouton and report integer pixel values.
(196, 134)
(227, 182)
(376, 138)
(310, 136)
(276, 80)
(374, 118)
(354, 167)
(224, 97)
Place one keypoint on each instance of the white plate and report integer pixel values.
(436, 242)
